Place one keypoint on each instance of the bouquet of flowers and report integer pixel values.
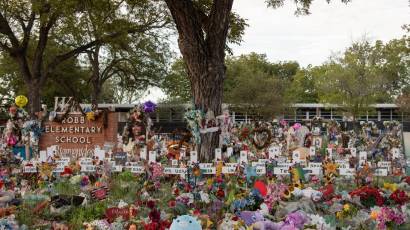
(369, 196)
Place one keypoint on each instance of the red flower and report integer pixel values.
(366, 193)
(220, 193)
(151, 204)
(399, 196)
(155, 216)
(407, 180)
(172, 203)
(197, 212)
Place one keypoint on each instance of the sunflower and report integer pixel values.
(330, 168)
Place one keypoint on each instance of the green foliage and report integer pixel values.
(353, 80)
(302, 88)
(79, 215)
(176, 84)
(256, 85)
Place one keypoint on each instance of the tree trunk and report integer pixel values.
(207, 90)
(34, 100)
(202, 41)
(96, 92)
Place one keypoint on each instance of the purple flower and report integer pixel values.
(297, 219)
(149, 107)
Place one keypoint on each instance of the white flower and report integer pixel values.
(320, 222)
(204, 197)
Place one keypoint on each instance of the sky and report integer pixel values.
(330, 28)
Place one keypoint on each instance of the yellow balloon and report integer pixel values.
(21, 101)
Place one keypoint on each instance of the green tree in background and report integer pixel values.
(255, 85)
(302, 89)
(353, 80)
(176, 84)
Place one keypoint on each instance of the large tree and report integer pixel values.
(25, 22)
(203, 27)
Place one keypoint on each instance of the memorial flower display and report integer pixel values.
(267, 175)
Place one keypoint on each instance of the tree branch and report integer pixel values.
(27, 31)
(6, 30)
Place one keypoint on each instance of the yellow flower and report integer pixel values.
(346, 207)
(330, 168)
(339, 215)
(390, 186)
(374, 214)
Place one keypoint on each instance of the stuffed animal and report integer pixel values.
(230, 222)
(308, 192)
(185, 222)
(251, 217)
(267, 225)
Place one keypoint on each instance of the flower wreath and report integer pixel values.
(261, 130)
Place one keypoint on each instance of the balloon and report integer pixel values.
(149, 107)
(259, 185)
(21, 101)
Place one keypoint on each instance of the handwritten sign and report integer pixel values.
(176, 171)
(30, 169)
(281, 171)
(120, 158)
(380, 172)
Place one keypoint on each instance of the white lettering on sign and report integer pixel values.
(175, 171)
(380, 172)
(30, 169)
(281, 171)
